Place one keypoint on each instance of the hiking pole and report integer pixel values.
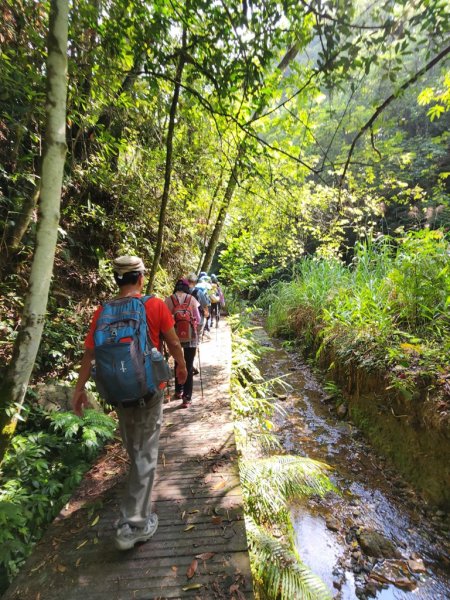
(200, 370)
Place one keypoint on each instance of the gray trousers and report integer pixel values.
(140, 428)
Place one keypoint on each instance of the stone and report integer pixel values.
(58, 397)
(417, 566)
(376, 544)
(333, 523)
(341, 410)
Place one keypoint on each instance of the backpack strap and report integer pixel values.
(174, 299)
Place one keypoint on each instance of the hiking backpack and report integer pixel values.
(123, 369)
(185, 323)
(196, 292)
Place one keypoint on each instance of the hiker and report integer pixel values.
(204, 286)
(140, 420)
(185, 310)
(217, 298)
(202, 298)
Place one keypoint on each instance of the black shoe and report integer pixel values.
(195, 371)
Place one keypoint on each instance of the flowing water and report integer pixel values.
(331, 533)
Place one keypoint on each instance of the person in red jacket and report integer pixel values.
(139, 425)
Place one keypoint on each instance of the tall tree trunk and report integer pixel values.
(211, 206)
(215, 236)
(15, 384)
(168, 167)
(233, 180)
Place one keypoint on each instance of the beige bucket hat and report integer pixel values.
(128, 264)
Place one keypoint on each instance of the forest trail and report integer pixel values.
(198, 500)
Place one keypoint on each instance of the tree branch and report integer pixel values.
(388, 101)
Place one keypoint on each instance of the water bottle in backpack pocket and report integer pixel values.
(161, 369)
(123, 366)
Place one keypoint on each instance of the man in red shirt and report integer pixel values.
(139, 425)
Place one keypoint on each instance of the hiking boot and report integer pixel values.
(127, 535)
(177, 396)
(195, 371)
(186, 402)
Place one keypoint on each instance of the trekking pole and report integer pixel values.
(200, 370)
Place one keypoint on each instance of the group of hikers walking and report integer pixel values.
(124, 355)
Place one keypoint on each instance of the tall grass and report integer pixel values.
(391, 305)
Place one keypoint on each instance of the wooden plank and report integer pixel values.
(196, 496)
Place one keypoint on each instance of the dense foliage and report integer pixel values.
(246, 135)
(45, 463)
(388, 311)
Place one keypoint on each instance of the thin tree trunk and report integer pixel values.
(211, 206)
(233, 180)
(168, 167)
(215, 236)
(15, 235)
(13, 390)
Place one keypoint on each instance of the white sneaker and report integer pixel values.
(127, 535)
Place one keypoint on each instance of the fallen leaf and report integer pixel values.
(61, 568)
(41, 564)
(205, 555)
(216, 520)
(174, 569)
(208, 478)
(95, 521)
(192, 569)
(183, 514)
(77, 564)
(81, 545)
(189, 527)
(96, 540)
(192, 512)
(219, 485)
(192, 586)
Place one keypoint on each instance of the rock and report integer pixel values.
(333, 523)
(341, 410)
(281, 396)
(328, 399)
(394, 572)
(376, 544)
(58, 396)
(372, 589)
(337, 584)
(417, 566)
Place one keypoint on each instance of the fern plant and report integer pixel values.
(278, 570)
(45, 462)
(269, 483)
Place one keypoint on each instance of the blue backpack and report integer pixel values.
(123, 369)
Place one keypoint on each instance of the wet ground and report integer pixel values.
(376, 538)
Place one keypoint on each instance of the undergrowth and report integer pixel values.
(387, 311)
(269, 479)
(42, 467)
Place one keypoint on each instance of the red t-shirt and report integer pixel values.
(159, 320)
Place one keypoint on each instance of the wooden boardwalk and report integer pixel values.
(200, 548)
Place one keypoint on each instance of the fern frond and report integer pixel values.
(269, 483)
(279, 570)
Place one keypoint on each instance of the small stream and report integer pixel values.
(336, 535)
